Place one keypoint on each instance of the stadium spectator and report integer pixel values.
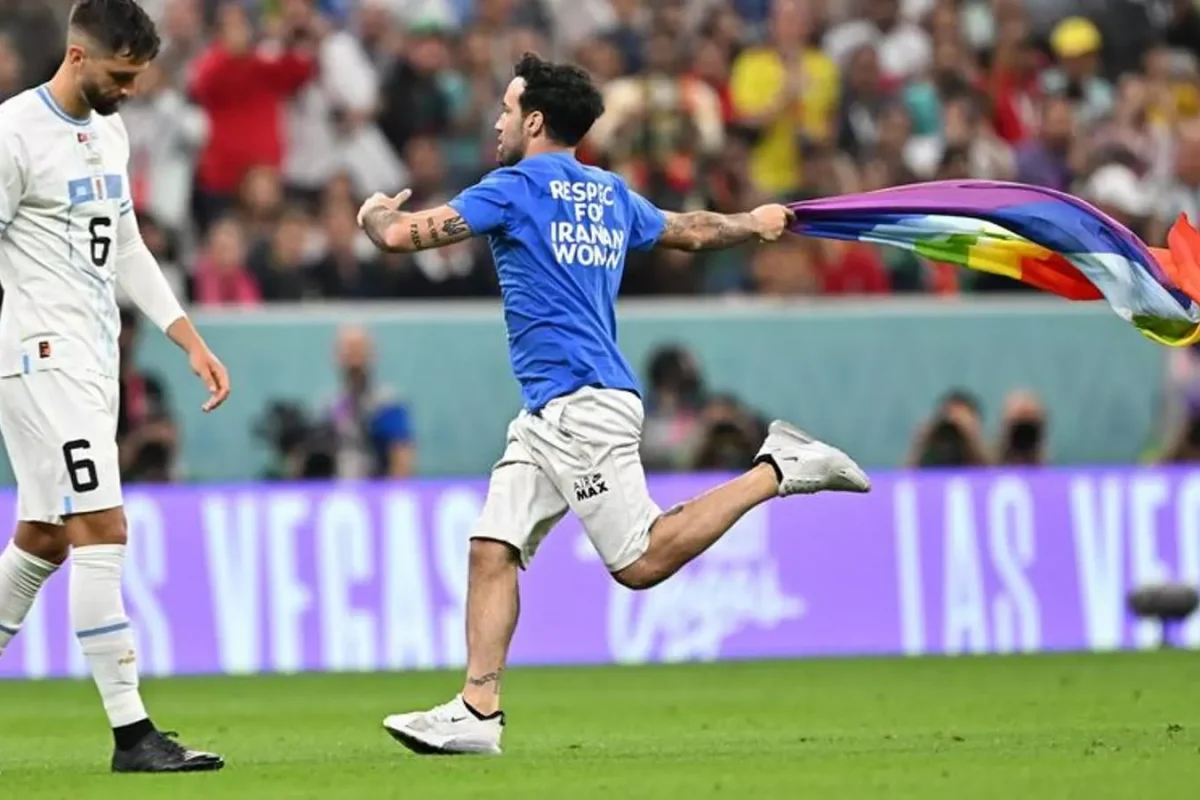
(786, 91)
(951, 74)
(904, 49)
(347, 269)
(867, 95)
(330, 121)
(674, 399)
(729, 435)
(1076, 43)
(1012, 82)
(895, 148)
(661, 126)
(627, 34)
(35, 34)
(461, 270)
(1117, 190)
(260, 204)
(1130, 135)
(243, 87)
(1180, 418)
(1182, 195)
(953, 436)
(372, 432)
(1058, 155)
(222, 278)
(415, 100)
(788, 267)
(851, 268)
(12, 70)
(278, 265)
(1183, 27)
(183, 33)
(166, 133)
(300, 449)
(1022, 439)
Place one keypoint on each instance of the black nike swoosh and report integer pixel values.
(459, 719)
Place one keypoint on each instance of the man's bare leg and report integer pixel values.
(493, 605)
(790, 462)
(688, 529)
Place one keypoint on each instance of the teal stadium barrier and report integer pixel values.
(860, 374)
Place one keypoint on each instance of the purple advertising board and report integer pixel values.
(286, 578)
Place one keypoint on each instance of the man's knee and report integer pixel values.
(47, 542)
(97, 527)
(492, 557)
(645, 573)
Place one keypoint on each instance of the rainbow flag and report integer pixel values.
(1045, 238)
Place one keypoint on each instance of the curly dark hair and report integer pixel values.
(120, 26)
(564, 93)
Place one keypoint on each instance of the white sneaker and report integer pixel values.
(450, 728)
(806, 465)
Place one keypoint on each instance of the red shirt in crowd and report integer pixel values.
(857, 269)
(1014, 101)
(244, 96)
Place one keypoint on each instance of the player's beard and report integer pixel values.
(102, 104)
(510, 156)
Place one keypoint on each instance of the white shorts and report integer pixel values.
(60, 431)
(582, 453)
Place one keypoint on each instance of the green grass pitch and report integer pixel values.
(1017, 727)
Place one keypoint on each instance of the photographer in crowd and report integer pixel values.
(953, 437)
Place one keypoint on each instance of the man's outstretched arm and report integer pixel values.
(708, 230)
(398, 231)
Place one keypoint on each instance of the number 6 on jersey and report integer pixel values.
(81, 471)
(101, 244)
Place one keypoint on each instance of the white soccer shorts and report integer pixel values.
(60, 432)
(580, 453)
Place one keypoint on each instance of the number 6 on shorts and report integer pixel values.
(82, 471)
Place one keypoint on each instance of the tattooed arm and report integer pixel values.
(403, 232)
(707, 230)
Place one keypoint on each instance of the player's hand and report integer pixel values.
(216, 378)
(381, 200)
(770, 221)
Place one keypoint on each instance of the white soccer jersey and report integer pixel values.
(64, 208)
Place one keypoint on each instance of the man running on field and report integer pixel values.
(559, 233)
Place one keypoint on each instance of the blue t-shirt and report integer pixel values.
(559, 232)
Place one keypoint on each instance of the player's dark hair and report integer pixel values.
(565, 95)
(121, 26)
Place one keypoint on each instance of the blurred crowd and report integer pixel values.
(265, 122)
(689, 428)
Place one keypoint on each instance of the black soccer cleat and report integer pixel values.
(160, 752)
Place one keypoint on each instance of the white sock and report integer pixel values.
(21, 576)
(103, 630)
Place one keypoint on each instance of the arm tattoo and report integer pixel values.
(376, 223)
(483, 680)
(454, 227)
(705, 230)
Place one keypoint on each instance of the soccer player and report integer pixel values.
(559, 232)
(67, 233)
